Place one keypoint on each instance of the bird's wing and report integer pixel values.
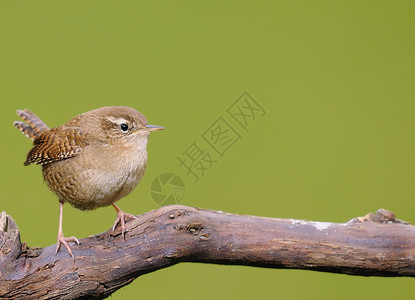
(56, 144)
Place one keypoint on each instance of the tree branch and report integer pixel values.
(374, 245)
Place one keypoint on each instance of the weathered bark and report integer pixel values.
(374, 245)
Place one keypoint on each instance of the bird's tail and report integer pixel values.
(33, 127)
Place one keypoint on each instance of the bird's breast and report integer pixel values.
(97, 177)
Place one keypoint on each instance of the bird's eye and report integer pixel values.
(124, 127)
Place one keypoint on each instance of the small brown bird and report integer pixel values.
(93, 160)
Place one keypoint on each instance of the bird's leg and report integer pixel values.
(121, 217)
(61, 239)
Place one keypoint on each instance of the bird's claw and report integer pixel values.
(64, 241)
(121, 217)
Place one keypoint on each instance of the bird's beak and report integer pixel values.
(153, 128)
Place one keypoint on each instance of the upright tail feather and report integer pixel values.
(33, 127)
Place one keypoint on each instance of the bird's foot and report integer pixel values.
(121, 217)
(64, 241)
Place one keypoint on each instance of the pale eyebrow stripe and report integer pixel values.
(116, 120)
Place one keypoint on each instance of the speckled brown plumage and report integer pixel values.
(93, 160)
(34, 127)
(56, 144)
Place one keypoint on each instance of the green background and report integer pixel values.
(336, 79)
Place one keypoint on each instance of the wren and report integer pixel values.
(93, 160)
